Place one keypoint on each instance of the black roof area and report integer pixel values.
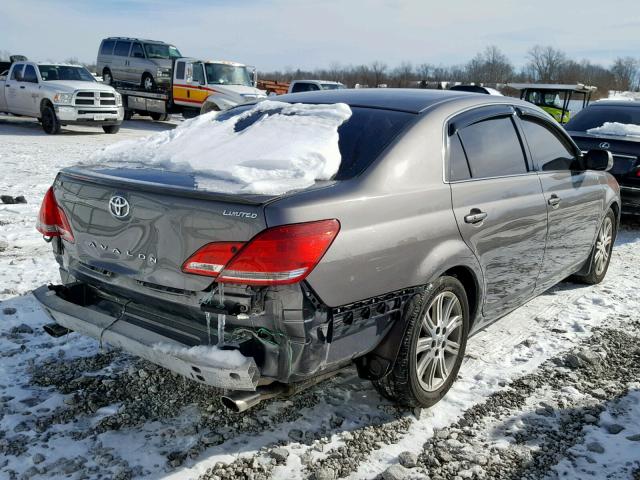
(615, 103)
(412, 100)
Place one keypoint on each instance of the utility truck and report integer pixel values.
(58, 95)
(197, 86)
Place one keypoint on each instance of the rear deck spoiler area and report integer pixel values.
(120, 333)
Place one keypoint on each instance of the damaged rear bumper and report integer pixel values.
(152, 346)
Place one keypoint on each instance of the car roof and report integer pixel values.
(615, 103)
(412, 100)
(160, 42)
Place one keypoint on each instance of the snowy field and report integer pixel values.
(550, 391)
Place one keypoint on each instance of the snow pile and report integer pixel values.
(200, 353)
(271, 148)
(617, 129)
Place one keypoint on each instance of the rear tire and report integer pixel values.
(128, 114)
(111, 129)
(148, 83)
(601, 253)
(433, 346)
(159, 117)
(50, 123)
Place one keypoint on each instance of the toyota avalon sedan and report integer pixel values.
(442, 212)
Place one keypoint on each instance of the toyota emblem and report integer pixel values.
(119, 206)
(604, 146)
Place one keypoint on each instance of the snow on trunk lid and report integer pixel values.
(271, 148)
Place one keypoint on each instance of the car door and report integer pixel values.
(574, 196)
(137, 63)
(498, 204)
(12, 89)
(120, 61)
(29, 91)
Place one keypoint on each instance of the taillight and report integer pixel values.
(52, 221)
(277, 256)
(281, 255)
(211, 259)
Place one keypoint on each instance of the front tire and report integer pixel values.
(50, 123)
(111, 129)
(601, 253)
(433, 346)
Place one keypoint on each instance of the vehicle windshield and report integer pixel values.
(595, 116)
(545, 99)
(65, 72)
(331, 86)
(361, 139)
(223, 74)
(159, 50)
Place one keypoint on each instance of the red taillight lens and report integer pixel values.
(52, 221)
(211, 259)
(281, 255)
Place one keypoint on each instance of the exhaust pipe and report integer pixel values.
(56, 330)
(239, 401)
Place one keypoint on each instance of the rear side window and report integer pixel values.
(458, 165)
(493, 148)
(180, 70)
(361, 139)
(16, 73)
(29, 74)
(107, 47)
(548, 149)
(122, 48)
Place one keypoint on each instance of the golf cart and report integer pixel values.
(555, 98)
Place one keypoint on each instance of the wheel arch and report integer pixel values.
(469, 281)
(45, 102)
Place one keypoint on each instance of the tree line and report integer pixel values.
(491, 67)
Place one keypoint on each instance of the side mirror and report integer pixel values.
(598, 160)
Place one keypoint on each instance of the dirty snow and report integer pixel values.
(115, 415)
(289, 147)
(203, 353)
(616, 129)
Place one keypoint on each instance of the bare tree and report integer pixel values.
(625, 73)
(489, 66)
(545, 63)
(403, 74)
(378, 69)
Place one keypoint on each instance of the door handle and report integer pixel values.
(554, 201)
(475, 216)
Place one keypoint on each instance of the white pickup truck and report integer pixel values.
(59, 95)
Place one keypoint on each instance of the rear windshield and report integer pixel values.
(596, 116)
(362, 138)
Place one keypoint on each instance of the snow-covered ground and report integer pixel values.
(541, 393)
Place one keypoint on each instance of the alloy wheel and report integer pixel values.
(603, 246)
(439, 341)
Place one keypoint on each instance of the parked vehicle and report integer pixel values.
(624, 147)
(448, 211)
(144, 63)
(273, 87)
(59, 95)
(555, 98)
(475, 89)
(196, 86)
(298, 86)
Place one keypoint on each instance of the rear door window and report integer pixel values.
(122, 48)
(549, 150)
(493, 148)
(16, 73)
(107, 47)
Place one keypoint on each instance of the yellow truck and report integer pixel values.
(197, 86)
(557, 99)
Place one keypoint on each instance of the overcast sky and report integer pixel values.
(279, 34)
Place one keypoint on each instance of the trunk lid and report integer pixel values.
(160, 219)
